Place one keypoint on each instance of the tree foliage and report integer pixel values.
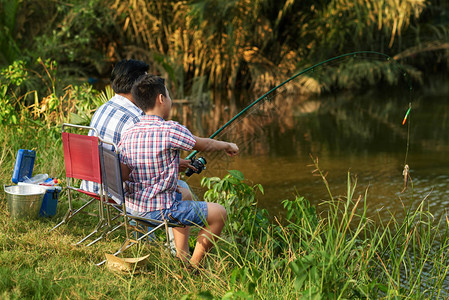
(201, 44)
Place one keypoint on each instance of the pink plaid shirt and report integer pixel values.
(151, 150)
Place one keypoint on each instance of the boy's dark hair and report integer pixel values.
(146, 89)
(125, 73)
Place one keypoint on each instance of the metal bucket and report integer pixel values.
(24, 201)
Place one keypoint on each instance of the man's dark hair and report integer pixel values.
(146, 89)
(125, 73)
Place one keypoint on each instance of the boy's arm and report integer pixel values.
(209, 145)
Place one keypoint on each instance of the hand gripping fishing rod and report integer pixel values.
(191, 155)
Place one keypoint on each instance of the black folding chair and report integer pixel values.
(113, 186)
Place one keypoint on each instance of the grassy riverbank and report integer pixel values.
(339, 254)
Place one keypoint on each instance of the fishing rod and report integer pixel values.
(192, 155)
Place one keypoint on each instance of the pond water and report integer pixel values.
(360, 134)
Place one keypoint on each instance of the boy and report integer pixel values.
(150, 149)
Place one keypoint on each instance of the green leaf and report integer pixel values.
(205, 295)
(260, 188)
(228, 295)
(237, 174)
(186, 297)
(299, 281)
(234, 275)
(251, 288)
(382, 287)
(294, 267)
(78, 119)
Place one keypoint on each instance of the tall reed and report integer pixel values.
(342, 253)
(339, 253)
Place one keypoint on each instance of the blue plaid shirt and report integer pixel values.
(111, 120)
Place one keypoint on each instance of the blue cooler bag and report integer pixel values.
(24, 165)
(23, 169)
(50, 202)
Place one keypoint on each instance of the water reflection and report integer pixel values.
(360, 134)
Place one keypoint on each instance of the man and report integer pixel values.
(120, 113)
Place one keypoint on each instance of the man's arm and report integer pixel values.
(125, 172)
(211, 145)
(184, 164)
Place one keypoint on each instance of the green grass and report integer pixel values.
(339, 254)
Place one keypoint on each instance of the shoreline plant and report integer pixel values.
(339, 253)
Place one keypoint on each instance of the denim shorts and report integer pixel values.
(189, 213)
(182, 184)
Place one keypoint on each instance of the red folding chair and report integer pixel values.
(82, 162)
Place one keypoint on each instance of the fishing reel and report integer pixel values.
(199, 164)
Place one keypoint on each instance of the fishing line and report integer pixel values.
(264, 96)
(321, 70)
(406, 170)
(244, 135)
(408, 131)
(249, 112)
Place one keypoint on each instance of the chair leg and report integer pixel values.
(100, 224)
(124, 246)
(104, 234)
(171, 241)
(107, 224)
(104, 222)
(65, 219)
(71, 213)
(168, 236)
(129, 242)
(108, 216)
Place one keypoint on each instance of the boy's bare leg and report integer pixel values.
(181, 236)
(186, 194)
(216, 218)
